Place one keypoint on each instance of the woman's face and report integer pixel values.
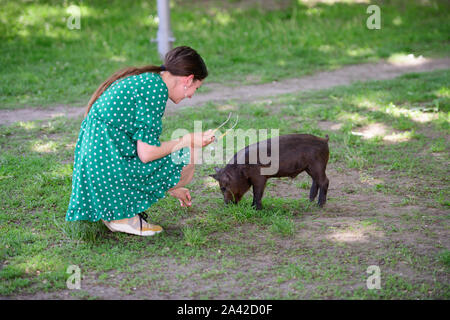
(184, 87)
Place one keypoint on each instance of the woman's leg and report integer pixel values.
(129, 225)
(186, 176)
(188, 171)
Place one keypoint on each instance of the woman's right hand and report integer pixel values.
(199, 139)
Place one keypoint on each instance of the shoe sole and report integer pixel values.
(127, 229)
(107, 224)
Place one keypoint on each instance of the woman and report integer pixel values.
(120, 167)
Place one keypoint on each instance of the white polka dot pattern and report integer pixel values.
(109, 180)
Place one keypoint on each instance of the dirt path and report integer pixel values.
(221, 93)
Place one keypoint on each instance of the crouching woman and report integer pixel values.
(121, 168)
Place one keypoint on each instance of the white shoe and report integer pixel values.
(137, 225)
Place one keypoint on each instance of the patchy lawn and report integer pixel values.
(388, 206)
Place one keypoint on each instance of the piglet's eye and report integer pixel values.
(223, 189)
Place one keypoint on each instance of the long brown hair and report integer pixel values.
(180, 61)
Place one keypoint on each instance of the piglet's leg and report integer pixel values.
(259, 185)
(323, 184)
(320, 182)
(313, 191)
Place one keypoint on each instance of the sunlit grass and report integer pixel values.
(406, 59)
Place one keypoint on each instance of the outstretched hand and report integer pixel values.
(199, 139)
(183, 195)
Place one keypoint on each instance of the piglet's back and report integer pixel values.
(282, 147)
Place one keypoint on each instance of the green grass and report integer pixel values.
(289, 249)
(282, 226)
(193, 237)
(43, 62)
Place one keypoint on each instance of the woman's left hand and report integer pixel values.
(183, 195)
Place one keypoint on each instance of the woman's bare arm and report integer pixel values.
(147, 153)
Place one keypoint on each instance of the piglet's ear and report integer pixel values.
(215, 176)
(217, 169)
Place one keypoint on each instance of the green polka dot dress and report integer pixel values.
(109, 181)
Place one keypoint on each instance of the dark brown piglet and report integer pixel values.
(283, 156)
